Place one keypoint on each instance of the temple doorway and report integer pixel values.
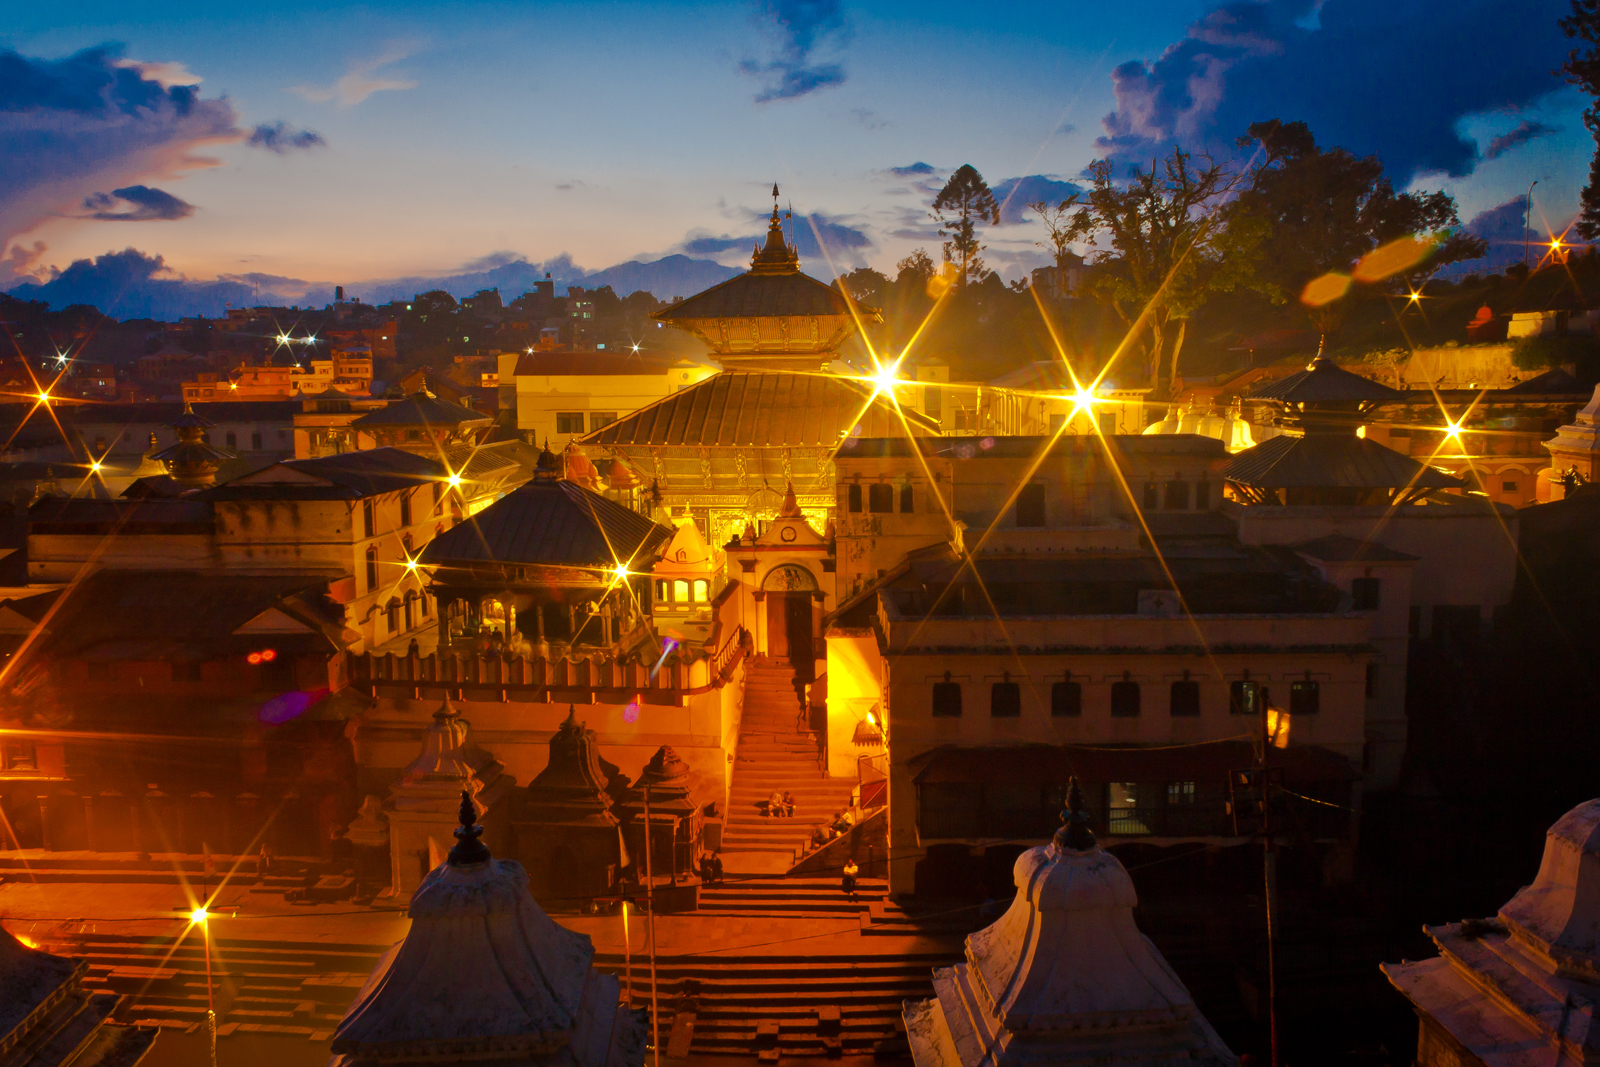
(789, 627)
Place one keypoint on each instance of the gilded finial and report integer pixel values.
(1074, 833)
(468, 849)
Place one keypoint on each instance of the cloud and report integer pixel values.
(914, 170)
(1375, 76)
(1015, 194)
(1502, 229)
(844, 243)
(868, 118)
(1527, 130)
(278, 137)
(800, 27)
(492, 260)
(26, 262)
(359, 82)
(71, 127)
(167, 74)
(145, 205)
(130, 284)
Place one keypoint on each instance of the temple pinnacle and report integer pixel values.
(468, 849)
(1074, 833)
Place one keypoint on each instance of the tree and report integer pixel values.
(1065, 228)
(1171, 246)
(1323, 209)
(1582, 69)
(865, 286)
(918, 265)
(964, 202)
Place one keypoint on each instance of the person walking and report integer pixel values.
(848, 882)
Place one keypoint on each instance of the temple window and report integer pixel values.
(392, 611)
(680, 590)
(1125, 698)
(232, 439)
(1030, 505)
(372, 568)
(1180, 794)
(569, 422)
(1305, 697)
(367, 525)
(1244, 698)
(1365, 593)
(1177, 495)
(700, 590)
(880, 498)
(1066, 699)
(1005, 700)
(947, 698)
(405, 507)
(906, 500)
(854, 494)
(1185, 699)
(1152, 496)
(600, 419)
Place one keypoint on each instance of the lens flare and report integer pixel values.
(1390, 259)
(198, 915)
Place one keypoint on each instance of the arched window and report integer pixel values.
(393, 613)
(372, 568)
(680, 590)
(410, 609)
(1125, 698)
(853, 493)
(880, 498)
(906, 499)
(700, 590)
(1066, 698)
(405, 507)
(367, 524)
(1185, 699)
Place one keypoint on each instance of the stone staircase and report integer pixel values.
(795, 897)
(775, 753)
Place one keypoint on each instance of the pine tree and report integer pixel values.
(965, 201)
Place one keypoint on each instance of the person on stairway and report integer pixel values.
(775, 805)
(843, 821)
(819, 835)
(848, 882)
(788, 804)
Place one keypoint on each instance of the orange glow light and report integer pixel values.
(268, 655)
(253, 658)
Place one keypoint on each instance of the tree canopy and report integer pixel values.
(964, 202)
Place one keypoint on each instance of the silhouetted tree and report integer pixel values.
(1065, 228)
(1582, 69)
(964, 202)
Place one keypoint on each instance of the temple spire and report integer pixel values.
(775, 257)
(1074, 833)
(468, 849)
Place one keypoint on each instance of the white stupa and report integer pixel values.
(1519, 990)
(1064, 977)
(485, 976)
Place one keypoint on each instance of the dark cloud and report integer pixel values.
(1526, 131)
(132, 285)
(136, 203)
(914, 170)
(70, 127)
(1015, 194)
(820, 239)
(493, 260)
(1502, 230)
(1385, 77)
(800, 27)
(280, 138)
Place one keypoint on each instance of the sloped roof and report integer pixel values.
(1325, 382)
(548, 522)
(750, 408)
(560, 363)
(419, 409)
(346, 476)
(752, 295)
(1554, 380)
(1329, 460)
(1337, 548)
(149, 515)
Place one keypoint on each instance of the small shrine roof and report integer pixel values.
(549, 522)
(1324, 381)
(761, 408)
(1320, 460)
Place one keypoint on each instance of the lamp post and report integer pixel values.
(1527, 221)
(199, 917)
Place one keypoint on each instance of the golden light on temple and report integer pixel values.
(95, 466)
(1083, 399)
(1453, 430)
(198, 915)
(1414, 297)
(454, 480)
(621, 571)
(44, 398)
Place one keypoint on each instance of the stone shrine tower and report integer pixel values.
(566, 832)
(1064, 976)
(1519, 988)
(192, 462)
(484, 976)
(1576, 448)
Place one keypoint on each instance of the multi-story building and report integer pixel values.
(560, 395)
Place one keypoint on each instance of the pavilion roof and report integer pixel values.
(1331, 460)
(549, 522)
(421, 409)
(1326, 382)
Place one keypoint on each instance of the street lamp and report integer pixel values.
(1527, 221)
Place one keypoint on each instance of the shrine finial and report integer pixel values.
(468, 849)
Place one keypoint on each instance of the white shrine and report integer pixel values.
(1519, 990)
(1064, 976)
(485, 976)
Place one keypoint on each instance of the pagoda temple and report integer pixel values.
(566, 831)
(1064, 976)
(192, 462)
(485, 976)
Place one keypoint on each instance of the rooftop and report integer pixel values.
(548, 522)
(595, 363)
(1332, 460)
(346, 476)
(420, 409)
(1027, 447)
(1326, 382)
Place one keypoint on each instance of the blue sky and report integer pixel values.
(450, 132)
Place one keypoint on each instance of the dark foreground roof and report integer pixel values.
(420, 409)
(346, 476)
(751, 408)
(548, 522)
(1330, 460)
(1326, 382)
(762, 295)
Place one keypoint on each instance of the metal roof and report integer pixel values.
(548, 522)
(750, 408)
(1329, 460)
(419, 409)
(346, 476)
(595, 363)
(1326, 382)
(1023, 447)
(751, 295)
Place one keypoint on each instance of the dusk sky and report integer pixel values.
(342, 143)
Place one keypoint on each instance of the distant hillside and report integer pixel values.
(663, 278)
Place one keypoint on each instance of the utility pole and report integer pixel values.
(1270, 869)
(650, 902)
(1527, 221)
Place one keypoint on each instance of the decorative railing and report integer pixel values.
(600, 678)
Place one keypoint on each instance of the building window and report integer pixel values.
(880, 498)
(1180, 794)
(232, 439)
(1005, 700)
(393, 613)
(1108, 423)
(598, 419)
(1125, 698)
(1202, 495)
(1177, 496)
(1372, 680)
(1244, 698)
(853, 493)
(946, 698)
(372, 568)
(1066, 699)
(680, 591)
(255, 441)
(409, 609)
(932, 401)
(186, 671)
(661, 591)
(1365, 593)
(1123, 814)
(905, 500)
(1152, 496)
(569, 422)
(1030, 505)
(367, 525)
(701, 590)
(1185, 698)
(21, 756)
(1305, 697)
(405, 507)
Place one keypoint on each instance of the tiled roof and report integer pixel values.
(1329, 460)
(548, 522)
(346, 476)
(1325, 382)
(421, 410)
(752, 296)
(750, 408)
